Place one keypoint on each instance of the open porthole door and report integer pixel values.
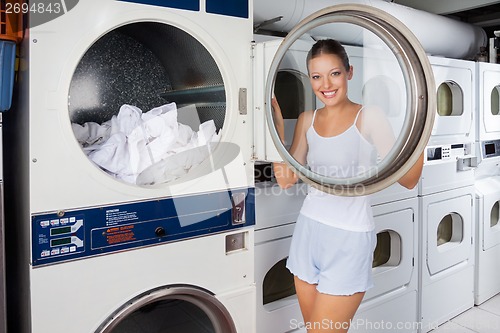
(392, 80)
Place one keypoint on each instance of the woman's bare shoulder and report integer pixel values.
(306, 116)
(304, 120)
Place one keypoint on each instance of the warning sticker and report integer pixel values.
(123, 234)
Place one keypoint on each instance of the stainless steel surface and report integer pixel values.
(211, 312)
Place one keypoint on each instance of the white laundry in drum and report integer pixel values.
(132, 142)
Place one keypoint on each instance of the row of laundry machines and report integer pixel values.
(108, 231)
(438, 244)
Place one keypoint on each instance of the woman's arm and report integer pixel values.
(381, 135)
(410, 179)
(284, 175)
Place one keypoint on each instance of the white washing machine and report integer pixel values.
(291, 76)
(277, 308)
(446, 199)
(96, 251)
(275, 216)
(488, 87)
(487, 239)
(487, 172)
(447, 264)
(392, 305)
(456, 98)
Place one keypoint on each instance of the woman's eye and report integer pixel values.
(336, 73)
(315, 77)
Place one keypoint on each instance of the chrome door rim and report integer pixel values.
(212, 307)
(420, 86)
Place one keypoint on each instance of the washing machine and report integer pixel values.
(277, 307)
(486, 174)
(488, 239)
(392, 304)
(291, 76)
(488, 89)
(154, 238)
(447, 237)
(456, 99)
(445, 190)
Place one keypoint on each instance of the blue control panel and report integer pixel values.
(236, 8)
(77, 234)
(178, 4)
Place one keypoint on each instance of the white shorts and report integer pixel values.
(339, 261)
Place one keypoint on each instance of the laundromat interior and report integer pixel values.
(137, 144)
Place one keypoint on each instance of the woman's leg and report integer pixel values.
(324, 313)
(306, 294)
(331, 313)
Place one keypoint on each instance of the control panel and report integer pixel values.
(70, 235)
(449, 152)
(490, 149)
(61, 236)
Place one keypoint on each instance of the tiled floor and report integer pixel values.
(484, 318)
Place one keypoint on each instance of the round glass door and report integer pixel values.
(390, 79)
(147, 104)
(171, 309)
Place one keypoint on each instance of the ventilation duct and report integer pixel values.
(439, 35)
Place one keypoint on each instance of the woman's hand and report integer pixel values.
(278, 119)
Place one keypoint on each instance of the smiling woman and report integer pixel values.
(339, 140)
(389, 49)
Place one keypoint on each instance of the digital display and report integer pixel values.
(434, 154)
(489, 149)
(60, 231)
(60, 241)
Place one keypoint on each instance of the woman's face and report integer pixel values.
(329, 78)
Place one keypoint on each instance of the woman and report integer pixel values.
(332, 247)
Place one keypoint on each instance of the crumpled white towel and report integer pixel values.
(132, 141)
(91, 133)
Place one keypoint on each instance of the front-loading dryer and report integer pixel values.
(276, 303)
(488, 89)
(446, 255)
(392, 304)
(446, 232)
(487, 239)
(456, 100)
(130, 175)
(276, 211)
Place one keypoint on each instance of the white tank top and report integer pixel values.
(340, 156)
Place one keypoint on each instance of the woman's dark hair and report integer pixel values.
(328, 46)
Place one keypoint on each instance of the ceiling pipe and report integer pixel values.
(439, 35)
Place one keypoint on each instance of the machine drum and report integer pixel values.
(147, 97)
